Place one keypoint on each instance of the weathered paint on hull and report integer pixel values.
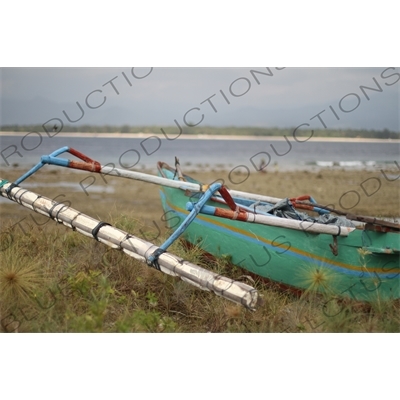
(296, 258)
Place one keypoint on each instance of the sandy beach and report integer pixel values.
(200, 137)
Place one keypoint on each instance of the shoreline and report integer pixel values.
(202, 137)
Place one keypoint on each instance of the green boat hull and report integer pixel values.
(365, 267)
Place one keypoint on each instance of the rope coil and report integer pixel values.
(95, 230)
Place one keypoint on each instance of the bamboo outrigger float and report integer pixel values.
(349, 256)
(137, 248)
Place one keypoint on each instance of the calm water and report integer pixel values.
(138, 153)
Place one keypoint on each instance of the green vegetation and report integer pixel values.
(56, 280)
(209, 130)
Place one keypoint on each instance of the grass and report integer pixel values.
(56, 280)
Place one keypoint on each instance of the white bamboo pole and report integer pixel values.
(305, 226)
(168, 263)
(139, 176)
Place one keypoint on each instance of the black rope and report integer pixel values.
(72, 220)
(127, 237)
(37, 198)
(154, 263)
(19, 200)
(52, 208)
(62, 209)
(8, 190)
(96, 229)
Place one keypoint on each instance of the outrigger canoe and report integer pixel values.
(346, 256)
(339, 255)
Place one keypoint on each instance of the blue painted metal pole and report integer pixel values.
(61, 162)
(29, 173)
(152, 259)
(209, 210)
(44, 160)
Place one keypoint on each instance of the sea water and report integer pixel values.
(197, 153)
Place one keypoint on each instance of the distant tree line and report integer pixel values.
(210, 130)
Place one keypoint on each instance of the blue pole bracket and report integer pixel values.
(44, 160)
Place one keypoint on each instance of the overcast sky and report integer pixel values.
(257, 96)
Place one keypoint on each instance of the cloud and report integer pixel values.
(223, 96)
